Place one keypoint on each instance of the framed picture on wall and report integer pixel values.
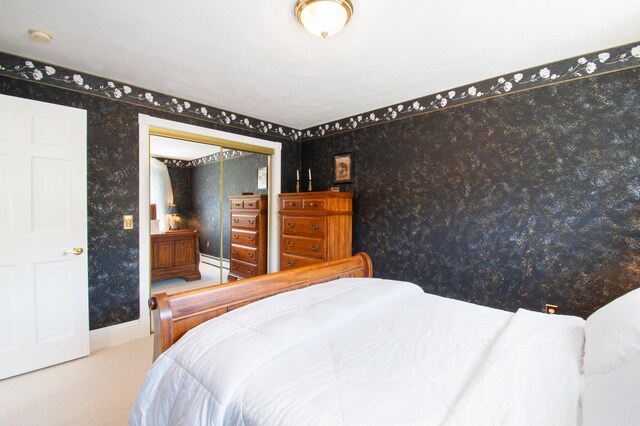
(262, 178)
(343, 168)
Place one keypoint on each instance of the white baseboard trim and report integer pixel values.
(115, 335)
(214, 261)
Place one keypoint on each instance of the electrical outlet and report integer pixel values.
(127, 220)
(551, 309)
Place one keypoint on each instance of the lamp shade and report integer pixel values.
(174, 210)
(323, 17)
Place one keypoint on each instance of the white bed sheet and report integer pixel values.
(367, 352)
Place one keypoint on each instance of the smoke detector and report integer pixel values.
(40, 36)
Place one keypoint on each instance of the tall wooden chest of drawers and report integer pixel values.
(314, 227)
(248, 254)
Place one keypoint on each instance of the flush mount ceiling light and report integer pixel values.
(323, 17)
(40, 36)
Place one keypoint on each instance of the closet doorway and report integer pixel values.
(192, 188)
(189, 177)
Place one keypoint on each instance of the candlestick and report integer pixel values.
(309, 174)
(298, 174)
(309, 185)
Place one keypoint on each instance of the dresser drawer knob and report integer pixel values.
(290, 204)
(314, 226)
(234, 266)
(250, 270)
(251, 238)
(251, 221)
(236, 236)
(250, 254)
(290, 225)
(236, 220)
(249, 204)
(314, 248)
(290, 263)
(289, 244)
(235, 251)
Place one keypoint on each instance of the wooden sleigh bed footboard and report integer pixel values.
(174, 315)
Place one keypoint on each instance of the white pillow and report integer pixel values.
(612, 336)
(613, 399)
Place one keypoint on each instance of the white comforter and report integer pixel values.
(368, 352)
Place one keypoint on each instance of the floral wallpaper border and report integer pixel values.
(213, 158)
(607, 60)
(26, 69)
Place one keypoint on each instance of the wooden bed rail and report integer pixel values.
(174, 315)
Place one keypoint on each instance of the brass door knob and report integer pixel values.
(76, 251)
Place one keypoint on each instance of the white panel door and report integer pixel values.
(44, 315)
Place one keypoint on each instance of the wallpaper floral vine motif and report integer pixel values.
(591, 64)
(618, 58)
(213, 158)
(14, 66)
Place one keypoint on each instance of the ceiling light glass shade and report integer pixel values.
(323, 18)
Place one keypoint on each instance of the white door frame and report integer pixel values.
(145, 122)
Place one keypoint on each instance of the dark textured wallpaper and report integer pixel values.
(181, 186)
(112, 191)
(510, 202)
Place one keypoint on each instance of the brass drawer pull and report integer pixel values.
(236, 220)
(290, 204)
(235, 251)
(289, 244)
(312, 204)
(290, 225)
(314, 248)
(236, 236)
(290, 263)
(250, 205)
(234, 266)
(250, 254)
(237, 205)
(251, 221)
(250, 270)
(314, 226)
(250, 238)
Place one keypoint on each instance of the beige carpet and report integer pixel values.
(96, 390)
(210, 276)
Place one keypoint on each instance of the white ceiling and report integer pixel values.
(253, 58)
(178, 149)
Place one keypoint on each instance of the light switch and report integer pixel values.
(128, 221)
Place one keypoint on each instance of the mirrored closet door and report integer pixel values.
(208, 207)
